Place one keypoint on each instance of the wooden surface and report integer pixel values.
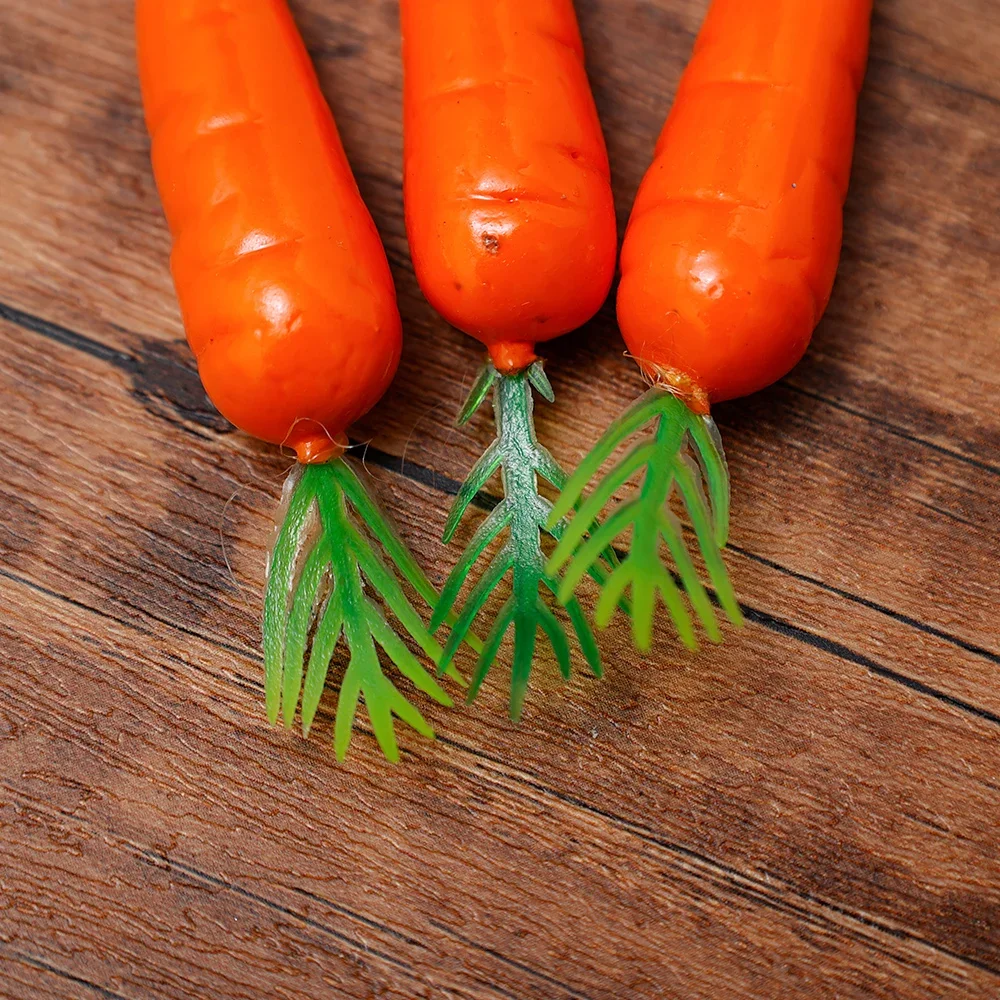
(809, 811)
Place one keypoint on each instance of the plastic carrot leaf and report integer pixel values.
(328, 578)
(666, 466)
(522, 518)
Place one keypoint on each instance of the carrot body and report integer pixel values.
(285, 292)
(509, 209)
(730, 254)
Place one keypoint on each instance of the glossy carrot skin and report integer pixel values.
(284, 287)
(730, 254)
(508, 198)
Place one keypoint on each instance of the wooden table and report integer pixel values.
(809, 811)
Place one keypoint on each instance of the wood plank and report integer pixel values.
(26, 976)
(918, 254)
(821, 490)
(808, 811)
(76, 891)
(764, 739)
(148, 772)
(429, 388)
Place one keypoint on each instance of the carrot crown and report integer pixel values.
(524, 514)
(316, 582)
(665, 464)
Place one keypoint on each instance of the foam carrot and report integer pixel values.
(727, 266)
(289, 308)
(511, 226)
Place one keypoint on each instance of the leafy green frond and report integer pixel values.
(594, 505)
(540, 381)
(488, 463)
(487, 532)
(525, 638)
(712, 461)
(480, 390)
(591, 551)
(480, 594)
(303, 606)
(280, 573)
(584, 636)
(491, 647)
(320, 541)
(521, 520)
(397, 650)
(557, 637)
(664, 464)
(611, 593)
(640, 413)
(550, 470)
(384, 532)
(670, 530)
(694, 500)
(324, 642)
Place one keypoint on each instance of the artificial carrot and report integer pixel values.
(289, 308)
(727, 266)
(511, 226)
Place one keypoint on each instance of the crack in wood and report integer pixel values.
(756, 889)
(443, 483)
(37, 963)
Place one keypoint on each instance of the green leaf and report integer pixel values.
(409, 666)
(557, 637)
(487, 532)
(585, 636)
(670, 529)
(488, 582)
(280, 576)
(540, 381)
(594, 546)
(488, 463)
(480, 390)
(301, 615)
(324, 643)
(490, 648)
(700, 518)
(636, 416)
(591, 509)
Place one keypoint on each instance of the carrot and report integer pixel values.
(727, 266)
(511, 226)
(289, 308)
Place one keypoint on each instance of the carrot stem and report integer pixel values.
(665, 465)
(523, 516)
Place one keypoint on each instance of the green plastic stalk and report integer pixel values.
(684, 456)
(524, 514)
(327, 578)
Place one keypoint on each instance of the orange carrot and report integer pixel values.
(727, 266)
(289, 307)
(511, 224)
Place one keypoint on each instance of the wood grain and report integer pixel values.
(809, 810)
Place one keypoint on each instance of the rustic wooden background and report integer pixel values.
(810, 810)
